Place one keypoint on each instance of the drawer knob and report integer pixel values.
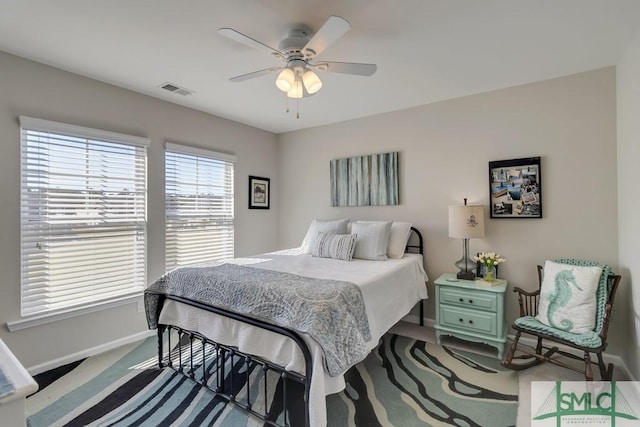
(470, 301)
(461, 300)
(471, 322)
(462, 320)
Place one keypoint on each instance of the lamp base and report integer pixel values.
(466, 276)
(465, 264)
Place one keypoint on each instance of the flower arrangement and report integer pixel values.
(489, 260)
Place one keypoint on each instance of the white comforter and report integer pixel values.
(390, 290)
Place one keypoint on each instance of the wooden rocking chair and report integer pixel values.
(588, 343)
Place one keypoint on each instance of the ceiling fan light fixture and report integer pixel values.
(297, 90)
(297, 51)
(285, 80)
(311, 81)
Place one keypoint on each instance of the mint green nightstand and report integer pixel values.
(470, 311)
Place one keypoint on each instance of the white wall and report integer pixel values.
(32, 89)
(628, 79)
(444, 153)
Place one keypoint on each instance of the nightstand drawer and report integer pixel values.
(468, 320)
(469, 298)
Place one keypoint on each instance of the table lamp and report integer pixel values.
(466, 222)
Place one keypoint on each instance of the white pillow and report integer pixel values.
(372, 239)
(337, 246)
(330, 227)
(568, 297)
(398, 238)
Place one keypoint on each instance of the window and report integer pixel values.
(199, 205)
(83, 217)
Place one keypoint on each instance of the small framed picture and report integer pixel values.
(259, 192)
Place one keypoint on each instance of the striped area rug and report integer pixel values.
(402, 383)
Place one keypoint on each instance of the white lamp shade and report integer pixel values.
(285, 80)
(297, 90)
(466, 222)
(311, 81)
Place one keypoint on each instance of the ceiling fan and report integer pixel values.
(297, 77)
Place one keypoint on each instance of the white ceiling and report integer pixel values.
(426, 50)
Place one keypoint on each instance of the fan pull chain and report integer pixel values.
(297, 106)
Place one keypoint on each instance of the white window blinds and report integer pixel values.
(83, 216)
(199, 205)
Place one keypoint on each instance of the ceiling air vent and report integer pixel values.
(176, 89)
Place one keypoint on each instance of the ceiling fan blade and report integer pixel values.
(347, 68)
(254, 74)
(234, 35)
(332, 30)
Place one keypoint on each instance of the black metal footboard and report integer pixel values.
(208, 363)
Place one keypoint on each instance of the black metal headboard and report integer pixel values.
(417, 248)
(413, 247)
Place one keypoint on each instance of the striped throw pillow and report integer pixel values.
(337, 246)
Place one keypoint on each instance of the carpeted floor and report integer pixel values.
(419, 384)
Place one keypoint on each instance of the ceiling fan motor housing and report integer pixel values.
(294, 43)
(297, 64)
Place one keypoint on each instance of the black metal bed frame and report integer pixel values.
(220, 353)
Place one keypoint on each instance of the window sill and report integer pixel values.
(29, 322)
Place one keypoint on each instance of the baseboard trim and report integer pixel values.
(617, 361)
(414, 318)
(430, 323)
(92, 351)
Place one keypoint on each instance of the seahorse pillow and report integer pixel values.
(568, 297)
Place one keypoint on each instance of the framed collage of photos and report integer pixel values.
(515, 190)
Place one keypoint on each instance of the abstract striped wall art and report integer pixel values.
(370, 180)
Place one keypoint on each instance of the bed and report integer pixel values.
(284, 346)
